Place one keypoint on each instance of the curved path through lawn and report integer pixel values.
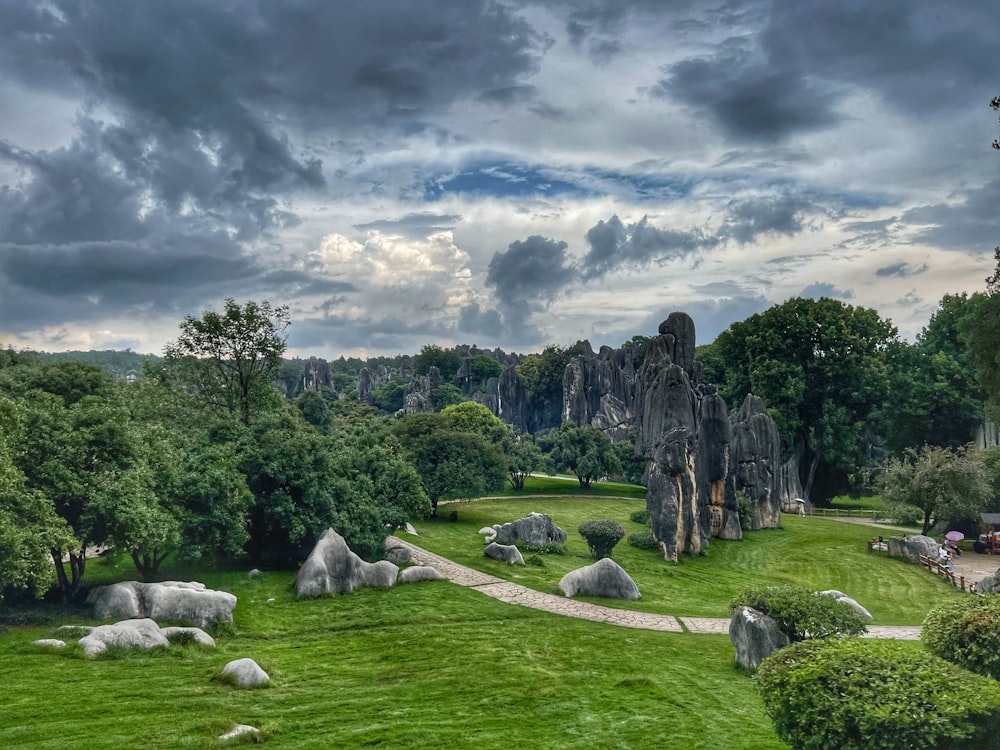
(514, 593)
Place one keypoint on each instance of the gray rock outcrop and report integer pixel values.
(756, 461)
(535, 530)
(845, 599)
(198, 635)
(418, 573)
(396, 552)
(755, 636)
(604, 578)
(507, 553)
(176, 601)
(600, 390)
(912, 547)
(988, 585)
(332, 568)
(137, 633)
(245, 673)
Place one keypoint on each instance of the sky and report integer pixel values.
(505, 174)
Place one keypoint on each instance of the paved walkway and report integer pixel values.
(514, 593)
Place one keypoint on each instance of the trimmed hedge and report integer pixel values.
(640, 516)
(802, 614)
(601, 536)
(867, 694)
(644, 540)
(966, 632)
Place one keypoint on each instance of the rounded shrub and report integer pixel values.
(801, 613)
(601, 536)
(641, 516)
(966, 632)
(871, 694)
(643, 540)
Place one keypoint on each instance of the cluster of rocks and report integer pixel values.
(332, 568)
(534, 530)
(142, 633)
(179, 601)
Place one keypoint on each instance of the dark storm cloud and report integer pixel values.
(749, 218)
(416, 225)
(970, 225)
(615, 245)
(748, 97)
(825, 289)
(902, 270)
(530, 271)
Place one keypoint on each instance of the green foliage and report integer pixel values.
(980, 328)
(631, 466)
(542, 377)
(484, 368)
(860, 694)
(944, 484)
(549, 548)
(802, 614)
(644, 540)
(820, 367)
(390, 397)
(601, 536)
(446, 361)
(583, 450)
(523, 457)
(640, 516)
(314, 409)
(966, 632)
(747, 510)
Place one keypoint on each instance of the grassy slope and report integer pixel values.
(423, 666)
(813, 552)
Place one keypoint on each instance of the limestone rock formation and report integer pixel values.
(333, 568)
(755, 636)
(535, 530)
(604, 578)
(790, 486)
(600, 390)
(177, 601)
(419, 395)
(507, 553)
(699, 458)
(756, 461)
(418, 573)
(988, 585)
(840, 596)
(245, 673)
(912, 547)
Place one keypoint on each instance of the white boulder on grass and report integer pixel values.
(50, 643)
(245, 673)
(137, 633)
(176, 601)
(332, 568)
(417, 573)
(238, 730)
(604, 578)
(197, 635)
(507, 553)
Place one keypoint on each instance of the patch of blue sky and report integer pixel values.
(504, 180)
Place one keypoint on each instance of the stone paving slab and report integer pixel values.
(514, 593)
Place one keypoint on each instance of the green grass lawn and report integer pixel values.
(429, 665)
(434, 665)
(813, 552)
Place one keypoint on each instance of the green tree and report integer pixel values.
(446, 361)
(484, 368)
(944, 484)
(820, 365)
(542, 377)
(469, 416)
(314, 409)
(231, 357)
(583, 450)
(389, 397)
(523, 457)
(451, 463)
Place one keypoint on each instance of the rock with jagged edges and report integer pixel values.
(332, 568)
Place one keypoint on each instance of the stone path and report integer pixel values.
(514, 593)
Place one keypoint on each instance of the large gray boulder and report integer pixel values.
(535, 530)
(332, 568)
(245, 673)
(198, 635)
(507, 553)
(755, 636)
(912, 547)
(138, 633)
(176, 601)
(604, 578)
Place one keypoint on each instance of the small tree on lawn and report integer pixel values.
(601, 536)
